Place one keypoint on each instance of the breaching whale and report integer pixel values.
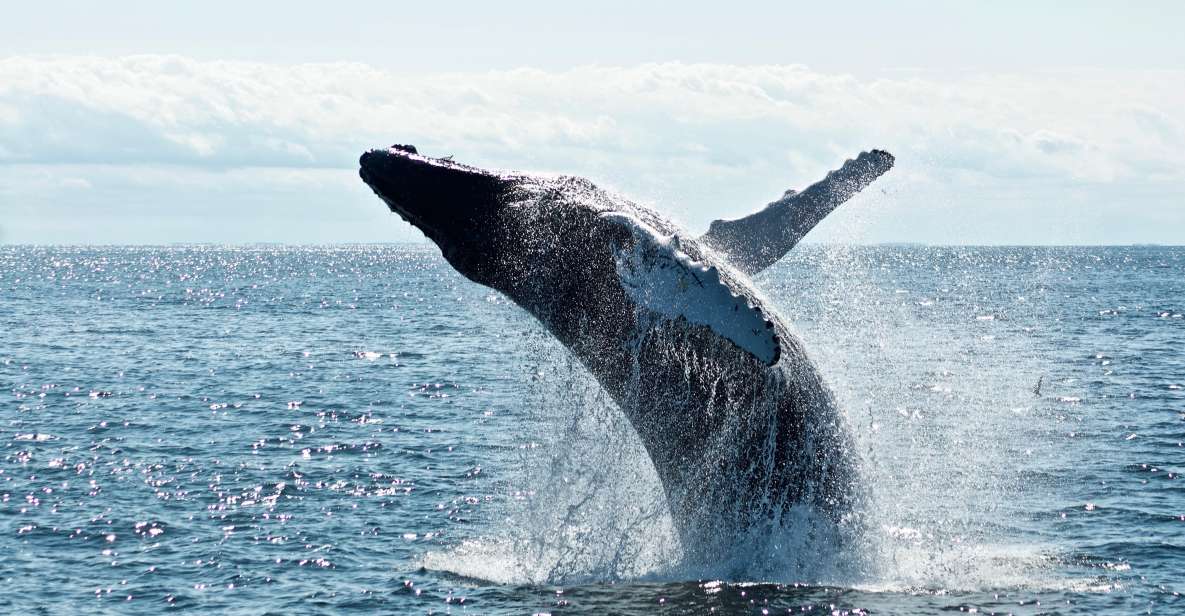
(738, 422)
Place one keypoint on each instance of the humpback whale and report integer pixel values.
(738, 422)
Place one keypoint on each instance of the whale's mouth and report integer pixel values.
(435, 195)
(386, 173)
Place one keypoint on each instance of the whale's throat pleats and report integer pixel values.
(667, 284)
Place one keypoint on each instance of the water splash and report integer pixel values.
(584, 502)
(949, 431)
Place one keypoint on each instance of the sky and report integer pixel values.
(1012, 122)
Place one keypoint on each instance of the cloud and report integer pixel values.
(173, 109)
(719, 139)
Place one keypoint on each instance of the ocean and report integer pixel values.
(359, 429)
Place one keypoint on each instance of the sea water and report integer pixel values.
(272, 429)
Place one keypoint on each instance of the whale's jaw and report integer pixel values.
(456, 206)
(448, 201)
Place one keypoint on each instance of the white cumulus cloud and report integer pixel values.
(703, 140)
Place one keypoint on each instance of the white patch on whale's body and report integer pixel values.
(661, 278)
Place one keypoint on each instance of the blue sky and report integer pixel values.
(138, 122)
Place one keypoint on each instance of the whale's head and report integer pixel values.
(456, 206)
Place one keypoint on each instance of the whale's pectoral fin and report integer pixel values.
(668, 284)
(757, 241)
